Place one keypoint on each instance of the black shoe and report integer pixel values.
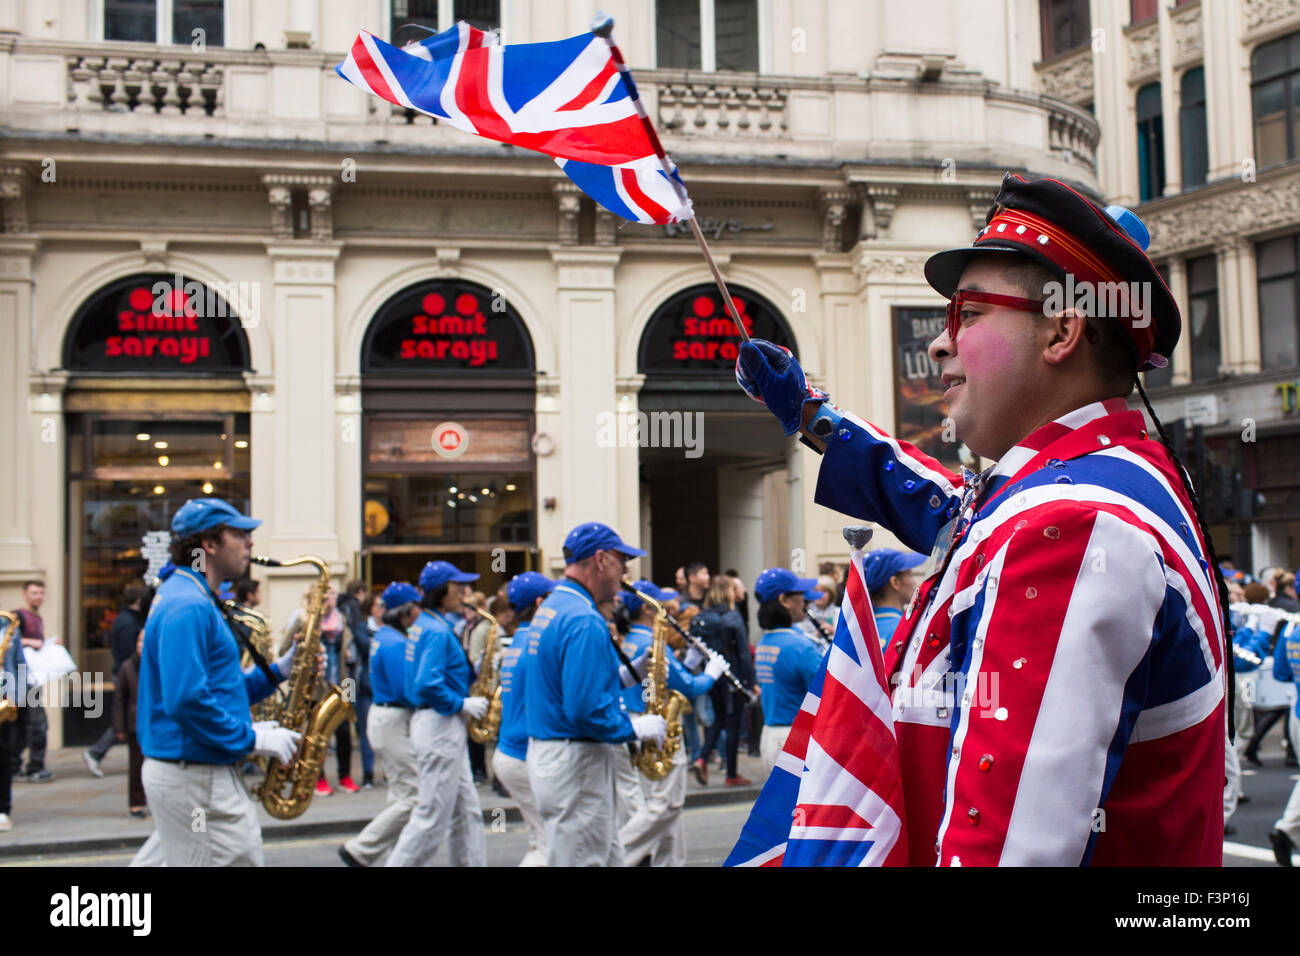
(348, 859)
(1243, 798)
(1291, 761)
(1253, 759)
(1282, 847)
(499, 790)
(480, 778)
(754, 753)
(1229, 830)
(41, 776)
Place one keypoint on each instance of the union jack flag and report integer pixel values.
(835, 796)
(566, 98)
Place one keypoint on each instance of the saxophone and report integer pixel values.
(8, 709)
(287, 790)
(257, 627)
(487, 684)
(653, 761)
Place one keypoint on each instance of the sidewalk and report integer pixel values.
(78, 813)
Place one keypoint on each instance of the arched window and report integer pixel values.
(1191, 128)
(1151, 145)
(691, 334)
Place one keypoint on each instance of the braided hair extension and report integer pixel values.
(1214, 558)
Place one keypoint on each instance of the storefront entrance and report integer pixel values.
(449, 473)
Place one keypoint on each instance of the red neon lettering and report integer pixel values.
(420, 325)
(113, 347)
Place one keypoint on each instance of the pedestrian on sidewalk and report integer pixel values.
(8, 732)
(123, 638)
(128, 681)
(32, 725)
(720, 626)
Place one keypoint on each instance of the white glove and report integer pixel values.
(640, 665)
(285, 663)
(650, 727)
(275, 741)
(474, 707)
(694, 658)
(717, 665)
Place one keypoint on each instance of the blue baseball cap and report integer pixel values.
(882, 564)
(399, 593)
(527, 587)
(634, 602)
(437, 573)
(200, 514)
(586, 539)
(777, 581)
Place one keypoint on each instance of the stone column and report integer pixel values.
(1170, 98)
(1182, 357)
(1229, 327)
(593, 472)
(26, 428)
(1114, 104)
(294, 445)
(1227, 89)
(1246, 318)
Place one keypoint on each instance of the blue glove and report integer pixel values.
(769, 374)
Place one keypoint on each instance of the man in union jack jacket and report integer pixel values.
(1059, 681)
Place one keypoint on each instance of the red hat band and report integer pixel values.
(1048, 240)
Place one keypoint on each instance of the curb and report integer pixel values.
(285, 831)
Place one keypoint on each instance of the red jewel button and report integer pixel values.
(973, 816)
(986, 763)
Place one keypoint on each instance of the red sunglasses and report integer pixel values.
(962, 296)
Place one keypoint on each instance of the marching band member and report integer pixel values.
(656, 832)
(890, 580)
(786, 659)
(389, 727)
(438, 676)
(1285, 834)
(192, 709)
(525, 592)
(1076, 589)
(577, 722)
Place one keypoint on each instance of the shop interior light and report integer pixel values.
(217, 465)
(486, 492)
(510, 487)
(451, 504)
(143, 436)
(240, 444)
(164, 460)
(158, 489)
(207, 487)
(473, 497)
(160, 444)
(453, 489)
(223, 436)
(461, 496)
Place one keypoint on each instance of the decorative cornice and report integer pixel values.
(1263, 14)
(1143, 52)
(1236, 210)
(1069, 78)
(890, 267)
(1189, 43)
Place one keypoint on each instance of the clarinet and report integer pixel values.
(699, 645)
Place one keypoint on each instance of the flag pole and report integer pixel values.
(603, 27)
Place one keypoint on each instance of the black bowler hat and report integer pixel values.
(1071, 235)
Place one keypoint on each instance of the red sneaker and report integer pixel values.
(323, 789)
(347, 784)
(701, 771)
(739, 782)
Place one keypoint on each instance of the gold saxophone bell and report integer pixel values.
(655, 761)
(487, 684)
(8, 709)
(313, 709)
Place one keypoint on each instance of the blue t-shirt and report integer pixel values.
(512, 739)
(887, 619)
(438, 674)
(573, 689)
(1286, 659)
(639, 639)
(193, 700)
(388, 666)
(786, 661)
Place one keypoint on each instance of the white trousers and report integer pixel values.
(1289, 823)
(1232, 771)
(513, 775)
(657, 829)
(574, 781)
(203, 816)
(389, 732)
(770, 744)
(629, 797)
(447, 808)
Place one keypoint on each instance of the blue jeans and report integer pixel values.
(367, 754)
